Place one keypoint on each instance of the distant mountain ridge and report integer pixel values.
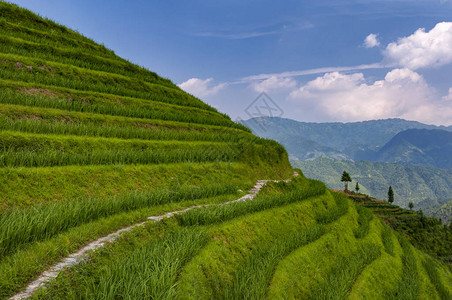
(426, 186)
(343, 141)
(415, 158)
(419, 146)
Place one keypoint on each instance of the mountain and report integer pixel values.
(420, 147)
(392, 141)
(352, 141)
(410, 183)
(116, 184)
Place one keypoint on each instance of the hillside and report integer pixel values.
(419, 147)
(343, 141)
(116, 184)
(425, 233)
(411, 183)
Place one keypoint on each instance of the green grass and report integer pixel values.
(52, 38)
(211, 273)
(39, 150)
(19, 227)
(251, 279)
(221, 213)
(387, 239)
(36, 95)
(342, 276)
(21, 16)
(31, 186)
(78, 57)
(54, 121)
(334, 213)
(364, 217)
(91, 143)
(148, 272)
(431, 267)
(408, 287)
(23, 265)
(14, 67)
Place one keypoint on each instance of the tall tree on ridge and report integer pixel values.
(346, 179)
(390, 195)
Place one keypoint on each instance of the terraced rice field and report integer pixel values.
(91, 144)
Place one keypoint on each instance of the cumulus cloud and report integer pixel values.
(371, 41)
(403, 93)
(201, 88)
(422, 49)
(449, 95)
(274, 83)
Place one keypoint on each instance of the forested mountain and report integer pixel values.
(344, 141)
(417, 184)
(419, 147)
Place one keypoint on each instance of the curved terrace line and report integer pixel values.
(82, 255)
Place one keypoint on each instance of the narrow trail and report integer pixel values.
(82, 255)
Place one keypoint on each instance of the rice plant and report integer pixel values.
(342, 276)
(19, 226)
(101, 104)
(252, 279)
(408, 288)
(149, 270)
(431, 267)
(80, 58)
(364, 217)
(124, 130)
(386, 238)
(337, 211)
(56, 74)
(52, 38)
(220, 213)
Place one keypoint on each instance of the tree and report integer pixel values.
(411, 205)
(390, 195)
(357, 187)
(346, 179)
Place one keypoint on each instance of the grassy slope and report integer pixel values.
(310, 248)
(91, 143)
(425, 233)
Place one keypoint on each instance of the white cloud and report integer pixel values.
(422, 49)
(274, 83)
(236, 36)
(401, 94)
(201, 88)
(264, 76)
(449, 95)
(371, 41)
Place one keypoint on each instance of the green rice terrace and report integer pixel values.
(116, 184)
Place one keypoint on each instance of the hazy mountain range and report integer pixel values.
(349, 141)
(415, 158)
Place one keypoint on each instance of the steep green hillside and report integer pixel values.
(105, 158)
(294, 240)
(411, 183)
(425, 233)
(79, 122)
(419, 147)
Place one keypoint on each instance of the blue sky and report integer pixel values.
(318, 60)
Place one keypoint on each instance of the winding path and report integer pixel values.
(82, 255)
